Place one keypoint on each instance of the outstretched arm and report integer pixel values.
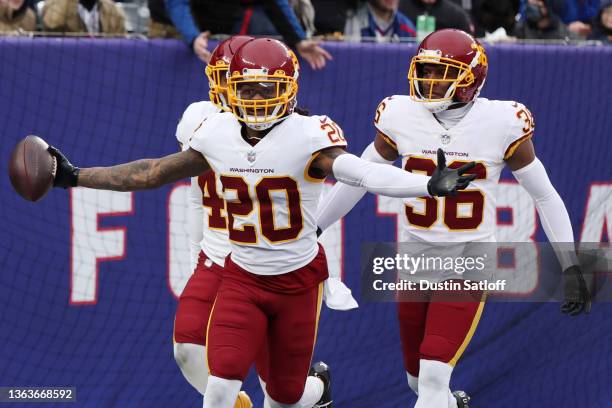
(343, 197)
(389, 180)
(137, 175)
(531, 174)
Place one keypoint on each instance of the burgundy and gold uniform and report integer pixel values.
(272, 282)
(487, 134)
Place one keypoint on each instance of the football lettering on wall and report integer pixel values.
(178, 269)
(520, 226)
(597, 219)
(92, 244)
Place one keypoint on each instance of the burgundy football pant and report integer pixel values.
(194, 307)
(284, 309)
(439, 328)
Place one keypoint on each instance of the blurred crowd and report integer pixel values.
(302, 23)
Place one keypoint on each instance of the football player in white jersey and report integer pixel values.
(444, 110)
(271, 170)
(209, 245)
(271, 163)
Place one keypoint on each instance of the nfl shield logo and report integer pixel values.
(251, 156)
(445, 139)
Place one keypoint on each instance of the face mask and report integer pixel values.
(532, 14)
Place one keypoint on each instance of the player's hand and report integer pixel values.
(445, 181)
(577, 296)
(66, 175)
(313, 53)
(200, 47)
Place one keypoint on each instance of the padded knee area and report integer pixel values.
(289, 392)
(438, 348)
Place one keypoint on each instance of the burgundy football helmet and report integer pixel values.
(262, 83)
(216, 70)
(464, 69)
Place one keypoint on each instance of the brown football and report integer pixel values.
(32, 168)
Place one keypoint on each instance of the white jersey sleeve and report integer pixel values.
(520, 128)
(191, 119)
(210, 133)
(196, 226)
(202, 236)
(324, 133)
(385, 119)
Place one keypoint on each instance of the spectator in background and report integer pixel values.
(602, 25)
(17, 15)
(578, 15)
(541, 21)
(330, 16)
(305, 12)
(160, 25)
(489, 15)
(86, 16)
(260, 24)
(447, 13)
(380, 20)
(241, 17)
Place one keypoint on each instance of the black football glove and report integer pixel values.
(66, 175)
(445, 181)
(577, 296)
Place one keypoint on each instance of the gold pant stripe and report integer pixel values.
(470, 333)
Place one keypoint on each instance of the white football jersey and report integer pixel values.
(489, 133)
(205, 193)
(271, 200)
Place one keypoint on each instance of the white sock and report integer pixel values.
(191, 359)
(434, 380)
(452, 401)
(313, 391)
(266, 403)
(221, 393)
(413, 383)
